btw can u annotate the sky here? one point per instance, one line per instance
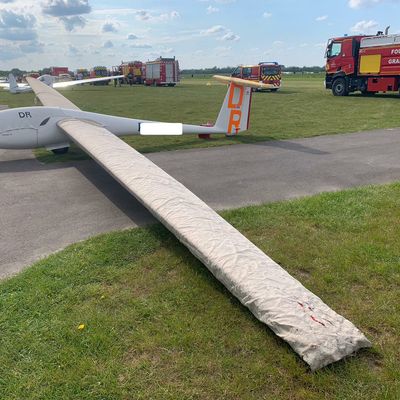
(201, 33)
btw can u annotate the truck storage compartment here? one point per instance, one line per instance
(381, 84)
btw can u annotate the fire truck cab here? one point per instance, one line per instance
(269, 73)
(368, 64)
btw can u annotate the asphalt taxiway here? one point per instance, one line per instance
(44, 208)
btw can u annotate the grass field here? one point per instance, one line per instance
(156, 325)
(302, 108)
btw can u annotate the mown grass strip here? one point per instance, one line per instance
(303, 108)
(157, 325)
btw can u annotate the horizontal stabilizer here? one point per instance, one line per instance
(242, 82)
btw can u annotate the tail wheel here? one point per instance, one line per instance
(63, 150)
(339, 87)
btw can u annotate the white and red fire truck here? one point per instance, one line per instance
(369, 64)
(268, 73)
(161, 72)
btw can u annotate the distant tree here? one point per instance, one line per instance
(228, 70)
(44, 71)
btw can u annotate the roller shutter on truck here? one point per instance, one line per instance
(169, 73)
(152, 71)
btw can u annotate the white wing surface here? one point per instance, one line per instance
(59, 85)
(316, 332)
(48, 96)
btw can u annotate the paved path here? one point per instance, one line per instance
(43, 208)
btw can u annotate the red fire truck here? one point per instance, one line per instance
(99, 72)
(269, 73)
(132, 70)
(162, 72)
(56, 71)
(369, 64)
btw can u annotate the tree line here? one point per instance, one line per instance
(228, 70)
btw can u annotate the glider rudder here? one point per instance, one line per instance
(235, 112)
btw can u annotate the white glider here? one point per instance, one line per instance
(49, 80)
(32, 127)
(318, 334)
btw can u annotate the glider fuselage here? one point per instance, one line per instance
(32, 127)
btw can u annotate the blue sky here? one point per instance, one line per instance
(200, 33)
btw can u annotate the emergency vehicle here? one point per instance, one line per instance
(56, 71)
(82, 73)
(268, 73)
(132, 70)
(99, 72)
(162, 72)
(369, 64)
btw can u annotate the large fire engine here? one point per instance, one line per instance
(56, 71)
(268, 73)
(162, 72)
(133, 70)
(369, 64)
(99, 72)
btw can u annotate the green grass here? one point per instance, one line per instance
(159, 326)
(303, 108)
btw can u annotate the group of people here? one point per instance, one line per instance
(129, 79)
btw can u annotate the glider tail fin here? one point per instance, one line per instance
(46, 79)
(13, 83)
(234, 116)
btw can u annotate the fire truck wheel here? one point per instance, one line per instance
(63, 150)
(339, 87)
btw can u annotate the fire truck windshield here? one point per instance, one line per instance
(334, 49)
(236, 72)
(270, 70)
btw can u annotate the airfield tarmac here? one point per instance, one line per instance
(44, 208)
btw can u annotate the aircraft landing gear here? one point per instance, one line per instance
(63, 150)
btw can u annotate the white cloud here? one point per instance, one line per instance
(71, 23)
(140, 46)
(109, 27)
(363, 3)
(212, 10)
(73, 50)
(321, 18)
(144, 15)
(364, 27)
(108, 44)
(213, 30)
(267, 14)
(62, 8)
(230, 36)
(14, 26)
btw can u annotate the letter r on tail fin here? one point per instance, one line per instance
(235, 112)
